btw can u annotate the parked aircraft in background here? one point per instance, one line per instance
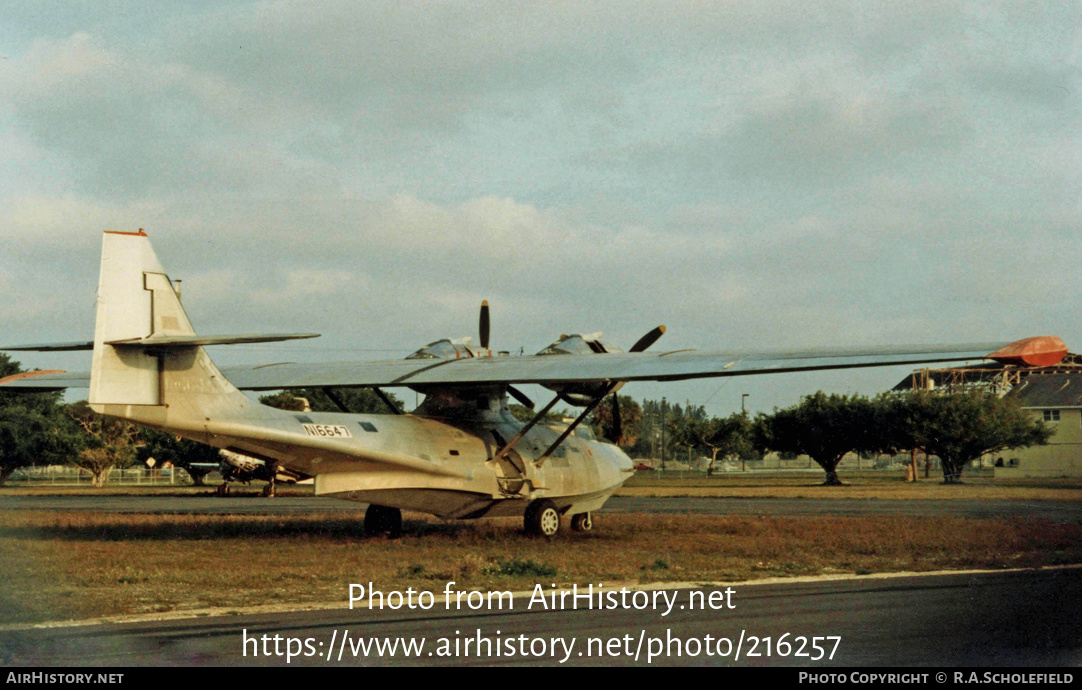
(460, 454)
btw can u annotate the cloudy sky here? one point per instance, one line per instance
(751, 174)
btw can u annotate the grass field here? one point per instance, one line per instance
(59, 566)
(857, 485)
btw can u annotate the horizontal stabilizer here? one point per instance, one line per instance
(167, 341)
(51, 347)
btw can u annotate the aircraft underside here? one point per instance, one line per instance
(461, 505)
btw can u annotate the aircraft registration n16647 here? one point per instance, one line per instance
(460, 454)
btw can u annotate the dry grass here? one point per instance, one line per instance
(80, 565)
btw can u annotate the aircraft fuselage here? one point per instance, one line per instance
(445, 463)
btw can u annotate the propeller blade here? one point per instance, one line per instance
(484, 327)
(520, 396)
(617, 424)
(648, 339)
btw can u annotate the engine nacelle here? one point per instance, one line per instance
(239, 462)
(245, 468)
(579, 394)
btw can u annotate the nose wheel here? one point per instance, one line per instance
(582, 522)
(542, 518)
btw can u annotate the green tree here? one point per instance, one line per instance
(31, 435)
(180, 452)
(525, 414)
(8, 367)
(684, 432)
(602, 421)
(723, 436)
(109, 442)
(824, 427)
(654, 437)
(33, 428)
(962, 427)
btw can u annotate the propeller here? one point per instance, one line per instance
(648, 339)
(521, 397)
(617, 423)
(484, 327)
(642, 343)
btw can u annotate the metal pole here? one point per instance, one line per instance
(662, 449)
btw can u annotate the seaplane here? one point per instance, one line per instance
(460, 454)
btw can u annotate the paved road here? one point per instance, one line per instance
(1058, 511)
(1019, 618)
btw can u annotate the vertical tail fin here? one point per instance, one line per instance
(137, 301)
(125, 376)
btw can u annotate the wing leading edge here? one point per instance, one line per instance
(622, 366)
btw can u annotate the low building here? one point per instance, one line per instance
(1052, 394)
(1055, 398)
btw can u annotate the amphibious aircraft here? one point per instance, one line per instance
(460, 454)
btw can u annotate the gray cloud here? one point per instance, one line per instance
(749, 173)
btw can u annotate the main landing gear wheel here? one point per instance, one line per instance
(542, 518)
(382, 520)
(269, 491)
(582, 522)
(223, 489)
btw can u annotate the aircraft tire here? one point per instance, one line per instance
(542, 518)
(382, 520)
(582, 522)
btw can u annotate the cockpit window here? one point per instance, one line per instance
(585, 432)
(572, 345)
(441, 349)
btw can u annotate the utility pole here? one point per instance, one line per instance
(653, 434)
(663, 420)
(743, 460)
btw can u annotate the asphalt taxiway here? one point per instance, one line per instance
(1024, 618)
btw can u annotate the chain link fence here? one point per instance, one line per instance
(62, 475)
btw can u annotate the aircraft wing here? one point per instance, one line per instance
(619, 366)
(41, 381)
(569, 368)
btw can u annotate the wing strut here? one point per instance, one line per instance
(529, 425)
(387, 401)
(578, 420)
(335, 399)
(329, 392)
